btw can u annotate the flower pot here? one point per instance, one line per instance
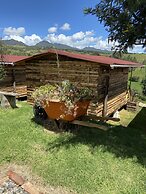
(58, 110)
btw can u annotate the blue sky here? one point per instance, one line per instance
(62, 21)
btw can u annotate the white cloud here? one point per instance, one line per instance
(136, 49)
(14, 31)
(89, 33)
(104, 44)
(52, 29)
(15, 37)
(32, 40)
(78, 36)
(65, 26)
(28, 40)
(80, 40)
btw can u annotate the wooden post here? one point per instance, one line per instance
(130, 91)
(14, 82)
(104, 112)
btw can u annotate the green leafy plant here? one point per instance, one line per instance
(2, 72)
(144, 86)
(134, 79)
(64, 92)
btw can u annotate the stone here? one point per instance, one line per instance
(142, 104)
(15, 177)
(30, 188)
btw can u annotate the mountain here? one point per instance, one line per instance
(46, 44)
(13, 42)
(92, 49)
(64, 46)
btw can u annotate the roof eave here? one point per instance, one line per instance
(126, 65)
(6, 63)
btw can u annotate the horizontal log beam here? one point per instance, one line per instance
(87, 124)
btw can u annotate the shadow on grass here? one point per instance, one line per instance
(140, 120)
(124, 142)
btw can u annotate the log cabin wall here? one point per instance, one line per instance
(45, 69)
(15, 74)
(117, 91)
(20, 79)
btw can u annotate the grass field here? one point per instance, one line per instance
(139, 72)
(137, 86)
(140, 57)
(87, 161)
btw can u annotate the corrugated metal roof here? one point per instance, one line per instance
(97, 59)
(93, 58)
(12, 58)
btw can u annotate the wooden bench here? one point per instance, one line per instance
(8, 99)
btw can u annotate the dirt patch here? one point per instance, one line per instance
(37, 181)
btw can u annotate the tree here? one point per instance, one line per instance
(125, 20)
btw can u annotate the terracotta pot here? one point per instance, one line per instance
(58, 110)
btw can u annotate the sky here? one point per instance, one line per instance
(62, 21)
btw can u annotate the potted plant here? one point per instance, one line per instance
(63, 101)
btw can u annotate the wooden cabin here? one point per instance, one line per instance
(15, 77)
(107, 76)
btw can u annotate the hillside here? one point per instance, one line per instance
(92, 49)
(19, 48)
(140, 57)
(13, 42)
(45, 44)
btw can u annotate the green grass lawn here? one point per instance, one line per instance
(87, 161)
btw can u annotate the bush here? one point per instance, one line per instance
(2, 72)
(134, 79)
(143, 98)
(143, 82)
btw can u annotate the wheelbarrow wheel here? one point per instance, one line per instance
(39, 112)
(64, 126)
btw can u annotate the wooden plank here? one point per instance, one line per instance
(87, 124)
(7, 100)
(94, 117)
(20, 90)
(113, 104)
(8, 93)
